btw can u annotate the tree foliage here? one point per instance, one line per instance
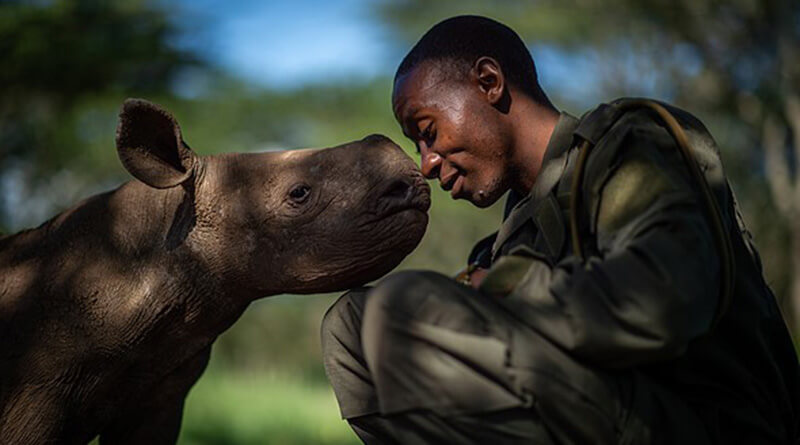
(57, 56)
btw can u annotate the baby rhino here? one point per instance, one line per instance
(108, 311)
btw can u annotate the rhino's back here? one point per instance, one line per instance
(33, 345)
(75, 309)
(84, 266)
(94, 312)
(71, 304)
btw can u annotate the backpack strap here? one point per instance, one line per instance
(595, 124)
(591, 130)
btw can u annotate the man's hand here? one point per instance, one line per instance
(501, 278)
(476, 277)
(505, 274)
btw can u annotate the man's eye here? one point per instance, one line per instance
(429, 134)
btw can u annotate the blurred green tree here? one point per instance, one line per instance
(733, 62)
(59, 54)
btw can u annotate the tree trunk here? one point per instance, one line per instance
(785, 188)
(793, 302)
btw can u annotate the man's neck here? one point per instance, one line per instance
(533, 124)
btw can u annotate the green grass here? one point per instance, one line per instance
(225, 408)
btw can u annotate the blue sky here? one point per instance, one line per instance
(285, 44)
(282, 44)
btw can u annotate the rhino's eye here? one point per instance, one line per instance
(300, 193)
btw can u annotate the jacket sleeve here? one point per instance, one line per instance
(653, 286)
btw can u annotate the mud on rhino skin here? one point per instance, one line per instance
(108, 310)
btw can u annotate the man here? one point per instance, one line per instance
(610, 312)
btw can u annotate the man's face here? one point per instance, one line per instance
(460, 135)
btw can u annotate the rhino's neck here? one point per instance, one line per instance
(108, 241)
(224, 237)
(135, 222)
(110, 270)
(124, 222)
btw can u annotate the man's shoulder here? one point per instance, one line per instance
(635, 158)
(640, 124)
(629, 114)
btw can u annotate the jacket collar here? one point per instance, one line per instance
(560, 141)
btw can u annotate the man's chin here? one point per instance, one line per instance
(482, 199)
(480, 196)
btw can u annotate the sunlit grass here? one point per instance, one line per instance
(271, 409)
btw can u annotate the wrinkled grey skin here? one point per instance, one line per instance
(108, 311)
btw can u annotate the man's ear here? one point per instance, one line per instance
(488, 75)
(150, 145)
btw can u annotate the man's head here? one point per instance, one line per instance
(453, 94)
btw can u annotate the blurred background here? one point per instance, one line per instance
(255, 75)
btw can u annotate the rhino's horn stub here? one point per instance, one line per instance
(150, 145)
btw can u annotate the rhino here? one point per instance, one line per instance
(108, 310)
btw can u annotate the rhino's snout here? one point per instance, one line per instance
(407, 193)
(379, 141)
(375, 139)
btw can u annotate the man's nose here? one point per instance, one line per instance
(430, 163)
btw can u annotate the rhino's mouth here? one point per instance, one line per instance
(402, 196)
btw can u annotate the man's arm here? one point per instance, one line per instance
(653, 287)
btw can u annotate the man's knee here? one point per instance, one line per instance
(427, 346)
(397, 296)
(343, 357)
(398, 300)
(341, 323)
(403, 295)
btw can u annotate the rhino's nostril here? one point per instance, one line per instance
(397, 190)
(403, 194)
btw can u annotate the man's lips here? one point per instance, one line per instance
(448, 181)
(454, 183)
(457, 186)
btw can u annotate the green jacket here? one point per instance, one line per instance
(648, 294)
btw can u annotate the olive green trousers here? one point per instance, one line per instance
(421, 359)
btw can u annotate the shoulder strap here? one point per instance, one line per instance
(596, 124)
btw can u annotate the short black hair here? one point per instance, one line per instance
(462, 40)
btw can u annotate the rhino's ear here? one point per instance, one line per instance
(150, 145)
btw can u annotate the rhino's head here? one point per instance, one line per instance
(294, 221)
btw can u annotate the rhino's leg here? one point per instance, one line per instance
(156, 420)
(34, 415)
